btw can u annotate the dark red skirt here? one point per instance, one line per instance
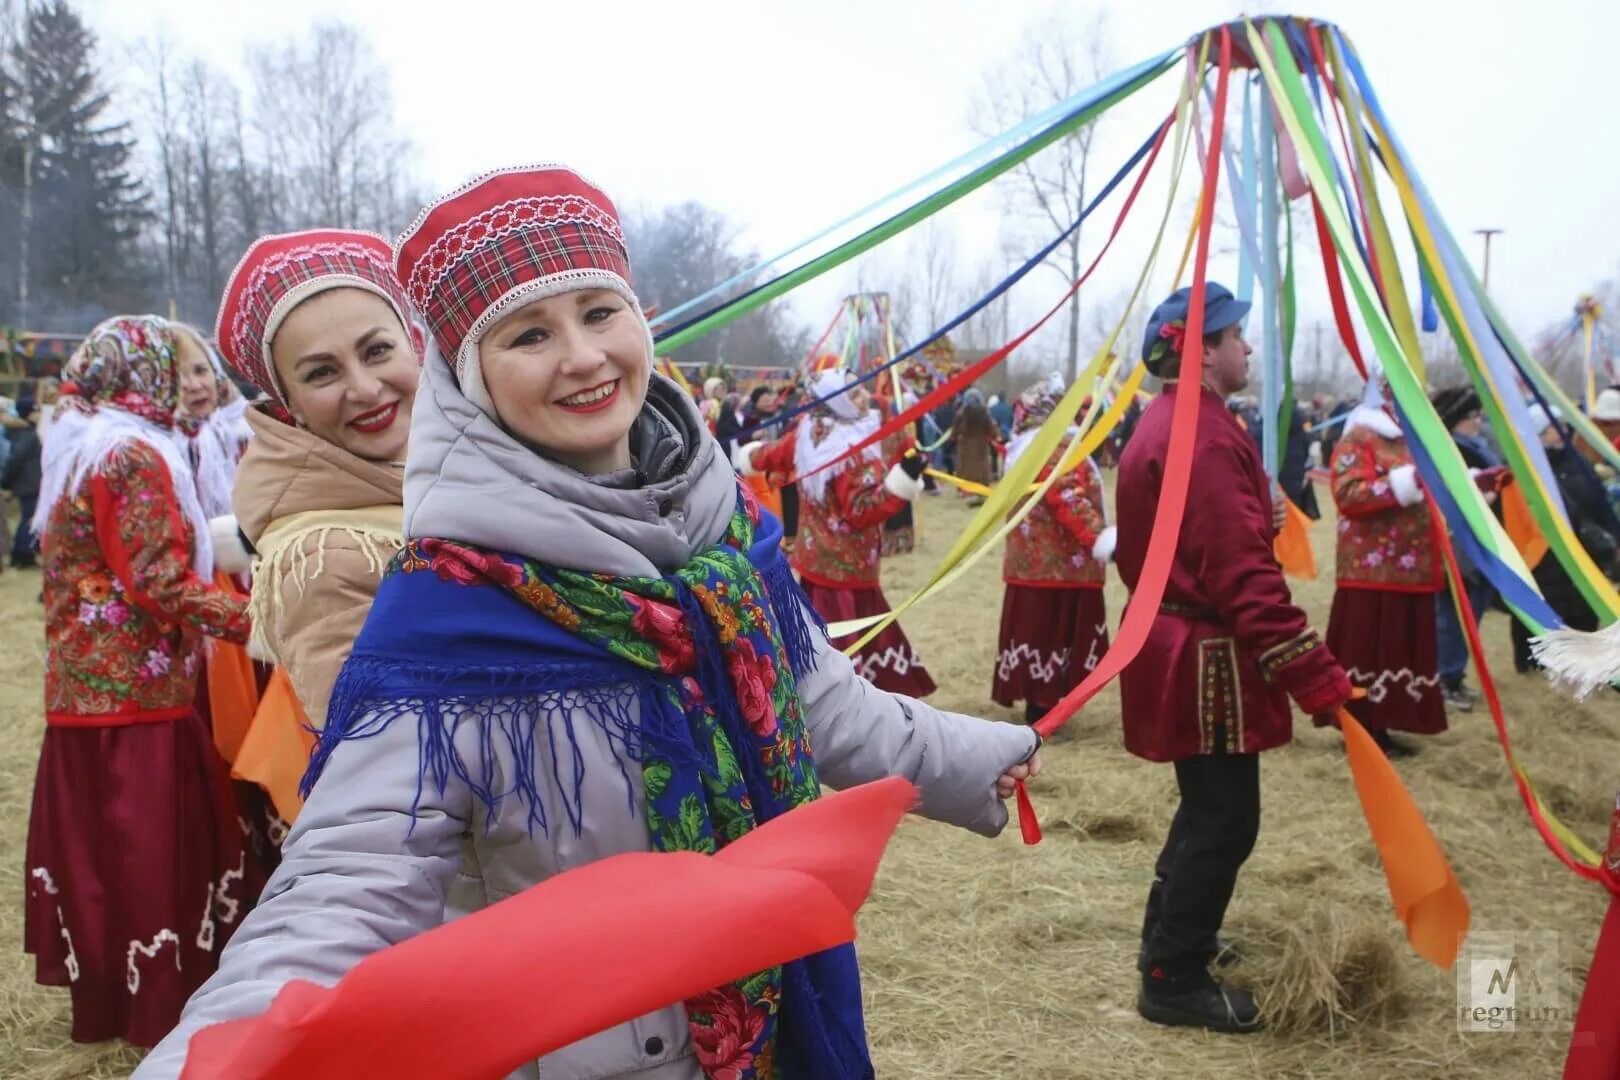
(133, 874)
(1050, 640)
(263, 829)
(1386, 642)
(888, 662)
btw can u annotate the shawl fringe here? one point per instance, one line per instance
(283, 557)
(1580, 662)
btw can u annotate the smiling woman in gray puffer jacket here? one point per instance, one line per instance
(590, 645)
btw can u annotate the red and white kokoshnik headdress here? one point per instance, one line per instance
(279, 272)
(503, 240)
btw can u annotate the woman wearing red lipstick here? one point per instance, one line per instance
(318, 323)
(591, 644)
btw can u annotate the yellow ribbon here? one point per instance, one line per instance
(1571, 553)
(996, 518)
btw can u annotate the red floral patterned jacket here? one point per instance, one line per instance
(125, 614)
(1051, 547)
(840, 540)
(1382, 544)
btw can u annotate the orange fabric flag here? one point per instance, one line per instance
(275, 751)
(1427, 898)
(576, 954)
(769, 497)
(1521, 526)
(233, 692)
(1293, 545)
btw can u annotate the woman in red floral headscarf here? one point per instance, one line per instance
(134, 854)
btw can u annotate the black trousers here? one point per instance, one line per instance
(24, 545)
(790, 511)
(1212, 835)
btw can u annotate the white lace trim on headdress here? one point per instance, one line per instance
(82, 444)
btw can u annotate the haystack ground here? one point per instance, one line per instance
(991, 959)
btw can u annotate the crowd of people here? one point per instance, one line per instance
(541, 605)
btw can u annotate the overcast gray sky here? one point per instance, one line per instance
(788, 115)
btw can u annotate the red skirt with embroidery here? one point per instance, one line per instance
(133, 872)
(1386, 642)
(262, 828)
(1050, 640)
(889, 661)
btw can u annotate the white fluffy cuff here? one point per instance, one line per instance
(902, 486)
(230, 555)
(742, 459)
(1103, 549)
(1404, 480)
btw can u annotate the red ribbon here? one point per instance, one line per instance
(1167, 517)
(1594, 1046)
(967, 376)
(1330, 267)
(576, 954)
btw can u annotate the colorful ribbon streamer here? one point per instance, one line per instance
(574, 955)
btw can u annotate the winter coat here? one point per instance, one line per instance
(324, 524)
(359, 872)
(22, 472)
(1228, 647)
(1386, 528)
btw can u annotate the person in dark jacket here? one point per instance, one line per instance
(1459, 410)
(21, 478)
(1593, 521)
(730, 422)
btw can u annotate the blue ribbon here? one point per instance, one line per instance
(983, 302)
(996, 147)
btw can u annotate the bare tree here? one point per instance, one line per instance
(322, 111)
(1054, 62)
(933, 254)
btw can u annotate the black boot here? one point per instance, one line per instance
(1032, 713)
(1392, 749)
(1221, 954)
(1195, 999)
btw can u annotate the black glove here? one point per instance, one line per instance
(912, 464)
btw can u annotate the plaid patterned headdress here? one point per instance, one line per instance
(279, 272)
(505, 240)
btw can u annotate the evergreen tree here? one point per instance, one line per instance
(88, 205)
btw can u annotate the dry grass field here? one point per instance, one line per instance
(990, 959)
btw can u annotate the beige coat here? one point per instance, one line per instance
(325, 524)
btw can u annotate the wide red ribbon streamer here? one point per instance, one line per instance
(1594, 1047)
(576, 954)
(1144, 605)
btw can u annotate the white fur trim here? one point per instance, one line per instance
(1375, 420)
(902, 486)
(230, 555)
(1103, 549)
(824, 439)
(83, 444)
(1403, 479)
(742, 459)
